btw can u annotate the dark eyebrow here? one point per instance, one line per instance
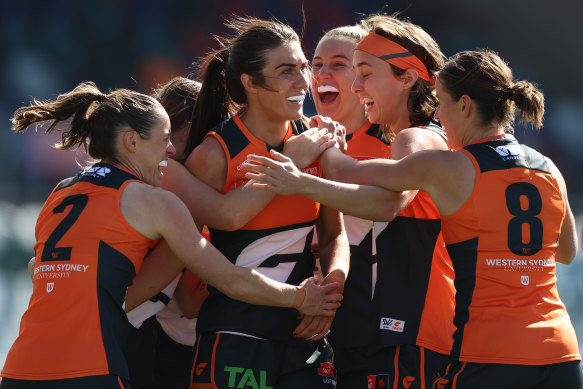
(285, 65)
(290, 65)
(363, 63)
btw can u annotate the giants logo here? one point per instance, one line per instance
(326, 369)
(390, 324)
(200, 368)
(407, 381)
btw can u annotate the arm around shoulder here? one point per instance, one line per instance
(204, 174)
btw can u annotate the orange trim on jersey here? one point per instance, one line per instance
(396, 363)
(489, 138)
(455, 377)
(213, 358)
(121, 385)
(227, 155)
(393, 53)
(194, 363)
(290, 209)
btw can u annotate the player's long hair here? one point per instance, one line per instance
(222, 91)
(97, 118)
(178, 97)
(422, 102)
(488, 80)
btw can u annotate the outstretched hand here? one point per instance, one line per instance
(320, 300)
(278, 175)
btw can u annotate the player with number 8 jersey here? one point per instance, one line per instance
(515, 212)
(505, 218)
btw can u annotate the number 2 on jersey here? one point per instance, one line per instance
(516, 243)
(51, 252)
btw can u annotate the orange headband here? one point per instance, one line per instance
(393, 53)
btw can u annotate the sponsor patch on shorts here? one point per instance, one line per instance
(379, 381)
(390, 324)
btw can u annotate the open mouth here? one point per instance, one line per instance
(327, 94)
(368, 103)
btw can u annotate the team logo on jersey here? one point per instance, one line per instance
(97, 171)
(525, 280)
(392, 324)
(326, 369)
(379, 381)
(200, 368)
(50, 287)
(510, 152)
(407, 381)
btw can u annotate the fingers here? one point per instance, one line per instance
(329, 309)
(315, 120)
(316, 329)
(299, 332)
(330, 290)
(279, 156)
(258, 159)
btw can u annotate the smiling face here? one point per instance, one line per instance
(382, 93)
(152, 153)
(282, 95)
(332, 77)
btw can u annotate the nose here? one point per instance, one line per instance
(170, 150)
(356, 86)
(323, 72)
(303, 81)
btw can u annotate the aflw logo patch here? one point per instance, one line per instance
(510, 152)
(392, 324)
(97, 171)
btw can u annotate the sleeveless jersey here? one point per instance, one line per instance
(414, 295)
(354, 314)
(502, 242)
(276, 243)
(86, 257)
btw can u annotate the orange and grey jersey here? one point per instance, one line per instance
(414, 295)
(276, 243)
(86, 257)
(354, 315)
(502, 242)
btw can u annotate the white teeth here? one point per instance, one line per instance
(367, 101)
(326, 88)
(163, 163)
(296, 99)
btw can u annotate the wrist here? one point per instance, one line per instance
(299, 297)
